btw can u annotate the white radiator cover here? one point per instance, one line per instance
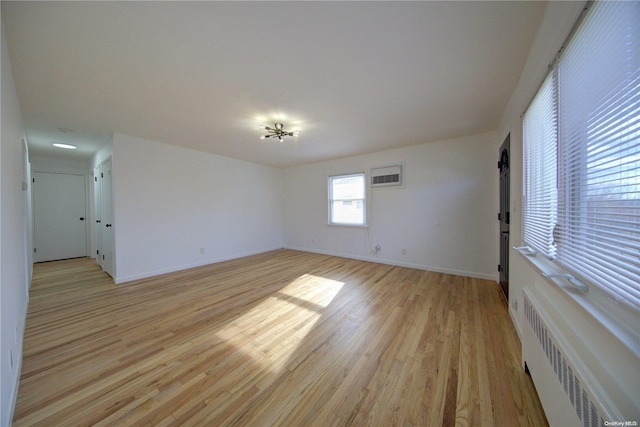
(567, 389)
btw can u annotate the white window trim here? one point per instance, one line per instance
(330, 199)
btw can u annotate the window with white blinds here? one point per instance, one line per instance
(589, 224)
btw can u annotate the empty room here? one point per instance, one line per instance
(320, 213)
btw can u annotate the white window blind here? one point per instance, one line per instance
(590, 226)
(599, 108)
(539, 202)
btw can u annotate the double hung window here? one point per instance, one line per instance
(347, 199)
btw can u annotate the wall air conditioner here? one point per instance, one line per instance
(387, 176)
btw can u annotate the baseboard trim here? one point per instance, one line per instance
(397, 263)
(120, 280)
(124, 279)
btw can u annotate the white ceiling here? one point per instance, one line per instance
(353, 77)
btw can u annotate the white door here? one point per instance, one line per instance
(107, 218)
(97, 204)
(59, 216)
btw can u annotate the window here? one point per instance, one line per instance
(581, 181)
(347, 199)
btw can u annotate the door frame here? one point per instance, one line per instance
(97, 213)
(108, 265)
(34, 173)
(504, 216)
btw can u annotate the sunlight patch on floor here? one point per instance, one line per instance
(272, 330)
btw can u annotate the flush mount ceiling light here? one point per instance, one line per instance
(277, 131)
(65, 146)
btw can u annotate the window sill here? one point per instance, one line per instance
(620, 320)
(348, 225)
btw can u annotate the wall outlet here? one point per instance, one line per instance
(201, 250)
(514, 304)
(378, 248)
(313, 241)
(404, 251)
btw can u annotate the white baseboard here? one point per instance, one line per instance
(398, 263)
(123, 279)
(14, 391)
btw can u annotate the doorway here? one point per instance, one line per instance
(503, 216)
(59, 211)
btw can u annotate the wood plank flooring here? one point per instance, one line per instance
(283, 338)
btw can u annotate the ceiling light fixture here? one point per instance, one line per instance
(277, 131)
(66, 146)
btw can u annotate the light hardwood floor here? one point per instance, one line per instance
(282, 338)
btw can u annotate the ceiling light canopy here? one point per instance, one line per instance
(65, 146)
(277, 131)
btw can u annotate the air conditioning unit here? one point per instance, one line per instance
(387, 176)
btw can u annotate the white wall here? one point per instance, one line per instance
(56, 165)
(445, 217)
(169, 202)
(14, 265)
(102, 154)
(614, 364)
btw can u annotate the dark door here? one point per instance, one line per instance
(503, 216)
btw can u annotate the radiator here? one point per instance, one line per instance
(567, 391)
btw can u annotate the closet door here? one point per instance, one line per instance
(97, 204)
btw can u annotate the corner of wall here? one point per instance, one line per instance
(14, 264)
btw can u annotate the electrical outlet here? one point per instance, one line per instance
(201, 250)
(404, 251)
(514, 304)
(313, 241)
(378, 248)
